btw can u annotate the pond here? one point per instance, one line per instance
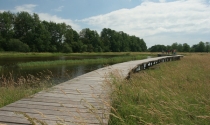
(59, 73)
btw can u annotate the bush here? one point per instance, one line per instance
(17, 45)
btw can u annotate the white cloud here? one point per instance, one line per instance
(26, 7)
(162, 1)
(2, 11)
(54, 18)
(153, 18)
(45, 16)
(60, 8)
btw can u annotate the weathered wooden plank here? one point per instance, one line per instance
(57, 100)
(42, 107)
(69, 117)
(52, 113)
(13, 120)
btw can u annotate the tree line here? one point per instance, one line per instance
(25, 32)
(200, 47)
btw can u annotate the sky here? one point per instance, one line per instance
(156, 21)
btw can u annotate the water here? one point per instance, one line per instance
(59, 73)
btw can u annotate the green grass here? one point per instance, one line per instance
(12, 90)
(176, 93)
(47, 54)
(84, 61)
(11, 94)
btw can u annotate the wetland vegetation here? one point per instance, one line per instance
(176, 93)
(29, 78)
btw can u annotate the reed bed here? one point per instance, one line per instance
(84, 61)
(13, 89)
(177, 92)
(47, 54)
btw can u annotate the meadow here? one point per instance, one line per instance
(176, 92)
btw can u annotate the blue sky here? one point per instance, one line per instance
(156, 21)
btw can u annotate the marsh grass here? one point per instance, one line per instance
(85, 61)
(176, 93)
(47, 54)
(13, 89)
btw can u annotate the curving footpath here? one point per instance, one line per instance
(83, 100)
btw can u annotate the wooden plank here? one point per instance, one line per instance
(51, 113)
(41, 107)
(13, 120)
(70, 117)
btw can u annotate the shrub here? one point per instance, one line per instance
(17, 45)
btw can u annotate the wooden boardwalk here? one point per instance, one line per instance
(82, 100)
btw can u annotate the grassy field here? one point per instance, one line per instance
(177, 92)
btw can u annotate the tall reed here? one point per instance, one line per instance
(13, 89)
(176, 93)
(84, 61)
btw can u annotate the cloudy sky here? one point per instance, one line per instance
(156, 21)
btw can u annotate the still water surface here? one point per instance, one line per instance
(60, 73)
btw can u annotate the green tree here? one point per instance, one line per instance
(193, 48)
(67, 48)
(105, 38)
(6, 25)
(186, 47)
(180, 48)
(23, 26)
(158, 48)
(2, 43)
(207, 47)
(175, 46)
(91, 39)
(17, 45)
(200, 47)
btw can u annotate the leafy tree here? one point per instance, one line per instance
(180, 48)
(143, 45)
(6, 25)
(168, 47)
(200, 47)
(2, 44)
(158, 48)
(67, 48)
(17, 45)
(193, 48)
(207, 47)
(105, 38)
(23, 26)
(186, 47)
(91, 39)
(175, 46)
(43, 36)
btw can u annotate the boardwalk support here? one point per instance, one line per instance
(146, 65)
